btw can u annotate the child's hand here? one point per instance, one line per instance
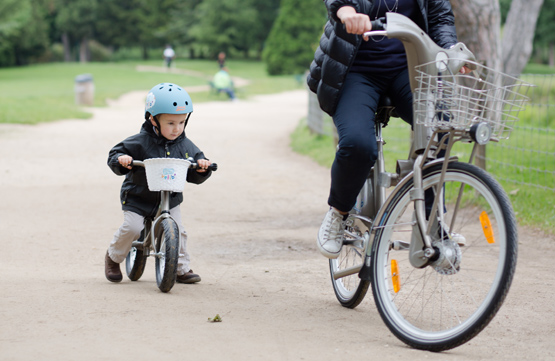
(203, 164)
(125, 161)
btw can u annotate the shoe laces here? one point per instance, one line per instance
(335, 227)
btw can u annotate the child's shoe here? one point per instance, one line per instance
(111, 269)
(188, 277)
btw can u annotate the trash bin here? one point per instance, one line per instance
(84, 89)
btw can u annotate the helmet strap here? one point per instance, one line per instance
(157, 126)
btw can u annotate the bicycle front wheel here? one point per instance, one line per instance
(448, 302)
(167, 253)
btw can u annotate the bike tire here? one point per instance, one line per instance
(350, 290)
(167, 253)
(443, 306)
(135, 262)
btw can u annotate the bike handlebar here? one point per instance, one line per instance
(419, 47)
(213, 167)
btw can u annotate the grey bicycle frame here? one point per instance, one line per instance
(420, 49)
(162, 213)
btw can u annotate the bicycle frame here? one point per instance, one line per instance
(420, 49)
(152, 227)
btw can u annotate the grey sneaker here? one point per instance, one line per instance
(331, 234)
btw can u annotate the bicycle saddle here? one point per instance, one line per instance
(385, 110)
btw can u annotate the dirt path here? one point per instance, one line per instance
(251, 228)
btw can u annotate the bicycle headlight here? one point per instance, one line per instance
(480, 132)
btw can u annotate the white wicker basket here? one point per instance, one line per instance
(166, 174)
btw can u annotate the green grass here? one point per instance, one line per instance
(538, 69)
(316, 146)
(43, 93)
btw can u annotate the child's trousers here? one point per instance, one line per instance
(130, 231)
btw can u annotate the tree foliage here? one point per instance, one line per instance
(285, 33)
(294, 36)
(23, 31)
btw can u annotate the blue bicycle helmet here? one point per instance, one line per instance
(167, 98)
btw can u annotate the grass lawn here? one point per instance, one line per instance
(45, 92)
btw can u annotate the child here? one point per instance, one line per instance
(167, 111)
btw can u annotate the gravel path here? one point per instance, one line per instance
(252, 230)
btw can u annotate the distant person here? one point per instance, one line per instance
(169, 55)
(221, 60)
(162, 135)
(223, 83)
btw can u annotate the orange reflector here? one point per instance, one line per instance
(486, 227)
(395, 276)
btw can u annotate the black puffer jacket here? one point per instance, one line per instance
(337, 49)
(134, 194)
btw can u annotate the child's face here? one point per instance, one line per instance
(171, 125)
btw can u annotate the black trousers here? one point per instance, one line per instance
(354, 119)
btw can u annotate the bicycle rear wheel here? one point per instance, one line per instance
(135, 261)
(167, 253)
(448, 302)
(350, 290)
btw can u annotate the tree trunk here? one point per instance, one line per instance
(552, 55)
(67, 47)
(84, 50)
(478, 25)
(145, 52)
(518, 34)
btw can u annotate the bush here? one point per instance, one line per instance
(99, 52)
(290, 46)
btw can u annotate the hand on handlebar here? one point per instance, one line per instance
(126, 161)
(202, 165)
(354, 22)
(465, 70)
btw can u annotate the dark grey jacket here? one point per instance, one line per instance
(337, 49)
(134, 194)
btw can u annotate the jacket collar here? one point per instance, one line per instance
(149, 129)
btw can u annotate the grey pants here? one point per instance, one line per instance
(130, 231)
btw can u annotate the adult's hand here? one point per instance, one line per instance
(354, 22)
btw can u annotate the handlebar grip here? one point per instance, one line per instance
(378, 24)
(213, 167)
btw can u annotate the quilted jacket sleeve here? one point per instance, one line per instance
(441, 23)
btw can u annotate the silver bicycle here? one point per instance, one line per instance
(160, 235)
(439, 250)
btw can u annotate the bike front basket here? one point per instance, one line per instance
(457, 101)
(166, 174)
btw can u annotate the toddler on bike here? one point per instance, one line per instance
(167, 111)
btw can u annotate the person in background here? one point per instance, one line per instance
(221, 60)
(169, 55)
(222, 82)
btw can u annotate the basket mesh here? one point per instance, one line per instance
(166, 174)
(456, 101)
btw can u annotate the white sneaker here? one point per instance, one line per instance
(459, 238)
(456, 237)
(331, 234)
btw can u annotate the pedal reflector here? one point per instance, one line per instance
(395, 276)
(486, 227)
